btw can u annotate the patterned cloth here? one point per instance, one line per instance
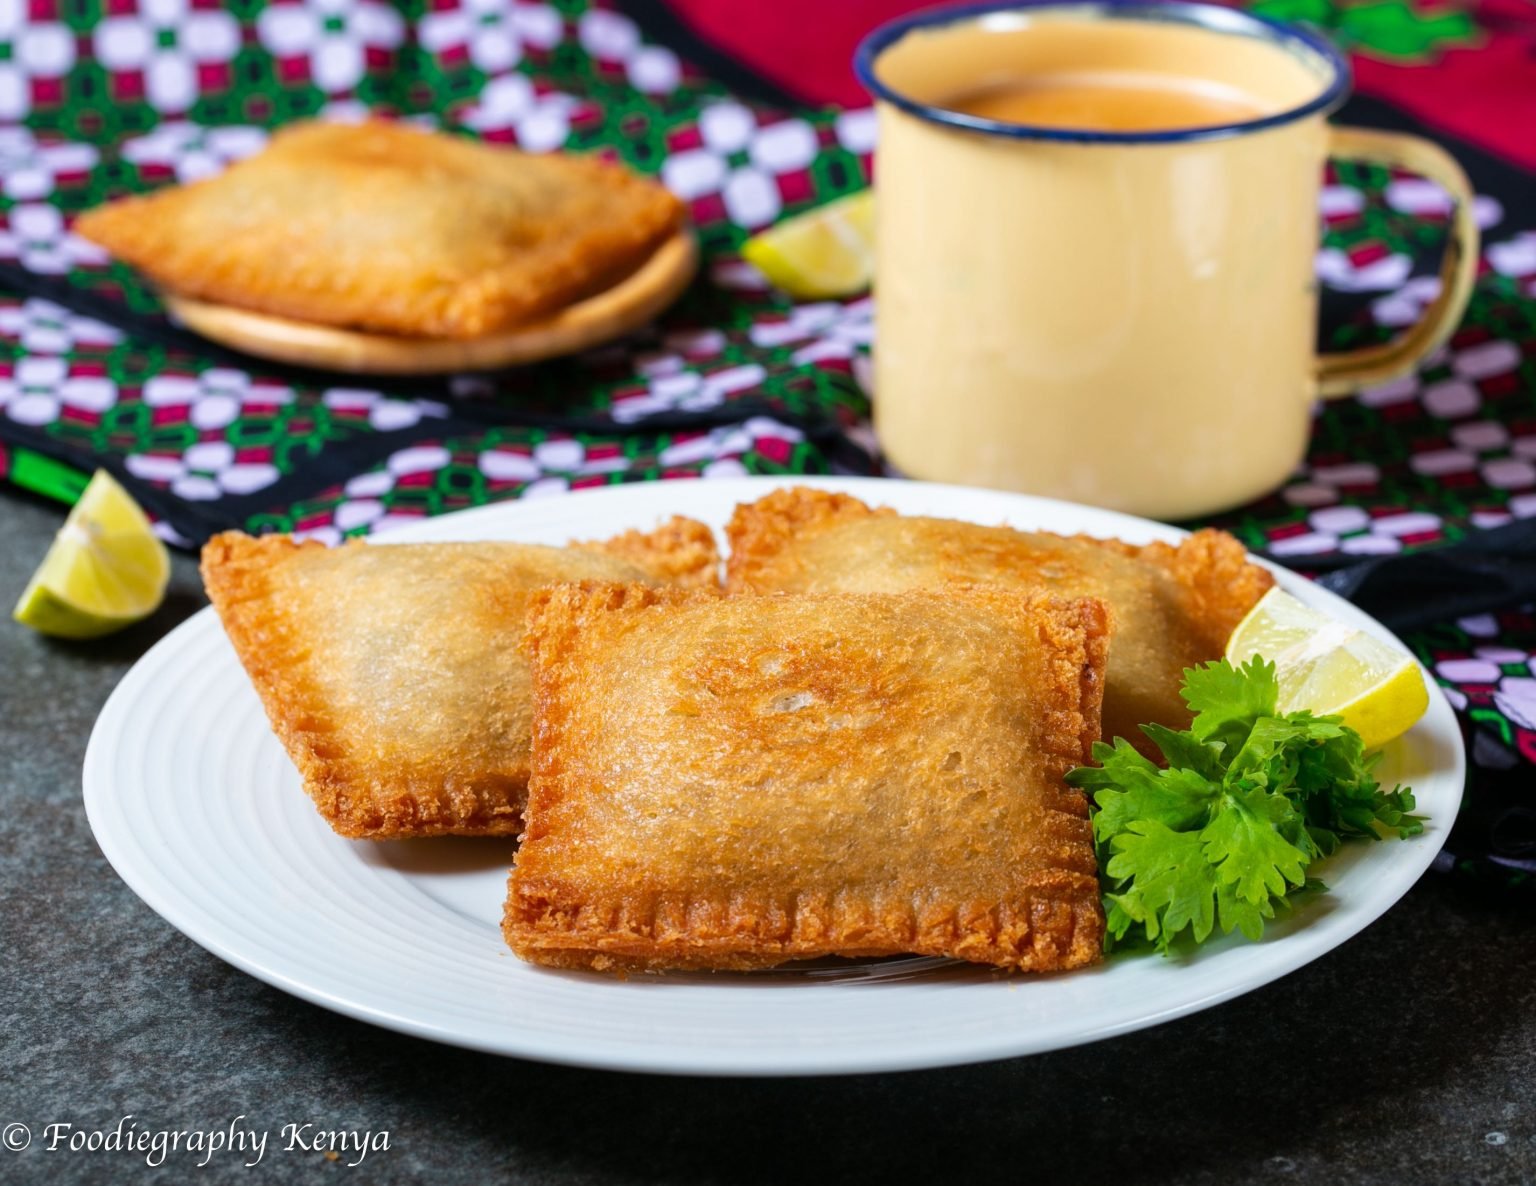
(113, 96)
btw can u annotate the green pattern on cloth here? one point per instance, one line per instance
(1396, 30)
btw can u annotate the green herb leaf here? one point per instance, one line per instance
(1225, 833)
(1227, 700)
(1186, 751)
(1169, 884)
(1128, 787)
(1246, 844)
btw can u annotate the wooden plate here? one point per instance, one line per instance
(600, 318)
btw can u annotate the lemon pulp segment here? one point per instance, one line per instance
(1330, 668)
(104, 570)
(825, 252)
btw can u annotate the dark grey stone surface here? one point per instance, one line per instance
(1407, 1056)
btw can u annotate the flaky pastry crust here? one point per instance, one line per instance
(392, 229)
(1173, 606)
(393, 674)
(680, 552)
(730, 783)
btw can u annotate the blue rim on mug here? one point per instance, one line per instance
(1300, 43)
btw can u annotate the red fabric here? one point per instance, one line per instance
(1484, 95)
(769, 37)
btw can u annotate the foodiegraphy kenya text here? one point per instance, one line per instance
(237, 1139)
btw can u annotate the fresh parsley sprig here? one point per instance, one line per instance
(1225, 833)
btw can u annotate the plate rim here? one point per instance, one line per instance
(590, 321)
(660, 1057)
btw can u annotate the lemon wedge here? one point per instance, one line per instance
(1330, 668)
(104, 570)
(825, 252)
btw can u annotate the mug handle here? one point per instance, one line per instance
(1346, 371)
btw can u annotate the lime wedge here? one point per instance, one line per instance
(826, 252)
(104, 570)
(1330, 668)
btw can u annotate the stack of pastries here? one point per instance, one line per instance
(855, 746)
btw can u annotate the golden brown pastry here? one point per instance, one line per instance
(1172, 606)
(393, 673)
(389, 228)
(730, 783)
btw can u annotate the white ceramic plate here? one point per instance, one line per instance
(197, 807)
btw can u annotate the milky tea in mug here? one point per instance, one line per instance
(1096, 226)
